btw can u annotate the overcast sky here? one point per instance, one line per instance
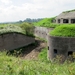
(15, 10)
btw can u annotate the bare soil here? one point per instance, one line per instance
(32, 51)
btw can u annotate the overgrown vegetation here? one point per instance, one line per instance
(47, 22)
(43, 54)
(28, 28)
(10, 28)
(64, 30)
(10, 65)
(24, 28)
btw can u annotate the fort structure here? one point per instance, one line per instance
(42, 32)
(66, 17)
(61, 43)
(14, 40)
(64, 46)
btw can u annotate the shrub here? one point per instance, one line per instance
(28, 28)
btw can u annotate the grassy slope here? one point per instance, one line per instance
(64, 30)
(10, 65)
(6, 28)
(47, 22)
(20, 28)
(10, 28)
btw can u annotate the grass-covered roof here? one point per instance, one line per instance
(23, 28)
(64, 31)
(46, 22)
(10, 28)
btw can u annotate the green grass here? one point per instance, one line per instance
(10, 65)
(10, 28)
(47, 22)
(24, 28)
(64, 30)
(43, 54)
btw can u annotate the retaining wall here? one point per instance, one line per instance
(12, 41)
(42, 32)
(60, 46)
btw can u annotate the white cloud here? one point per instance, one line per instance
(34, 9)
(6, 2)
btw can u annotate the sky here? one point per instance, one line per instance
(15, 10)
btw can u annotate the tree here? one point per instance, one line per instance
(28, 28)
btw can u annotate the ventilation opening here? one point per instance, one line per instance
(55, 51)
(65, 21)
(48, 47)
(72, 20)
(58, 20)
(70, 53)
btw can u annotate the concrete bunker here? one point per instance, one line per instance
(61, 43)
(14, 40)
(66, 17)
(60, 46)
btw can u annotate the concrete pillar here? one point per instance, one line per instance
(61, 21)
(69, 20)
(56, 20)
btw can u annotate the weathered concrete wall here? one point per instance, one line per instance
(60, 46)
(11, 41)
(42, 32)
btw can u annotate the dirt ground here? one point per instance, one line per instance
(32, 51)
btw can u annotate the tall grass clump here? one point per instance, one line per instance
(10, 65)
(64, 30)
(43, 54)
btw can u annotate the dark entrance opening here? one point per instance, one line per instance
(70, 53)
(55, 51)
(48, 47)
(65, 21)
(72, 20)
(58, 20)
